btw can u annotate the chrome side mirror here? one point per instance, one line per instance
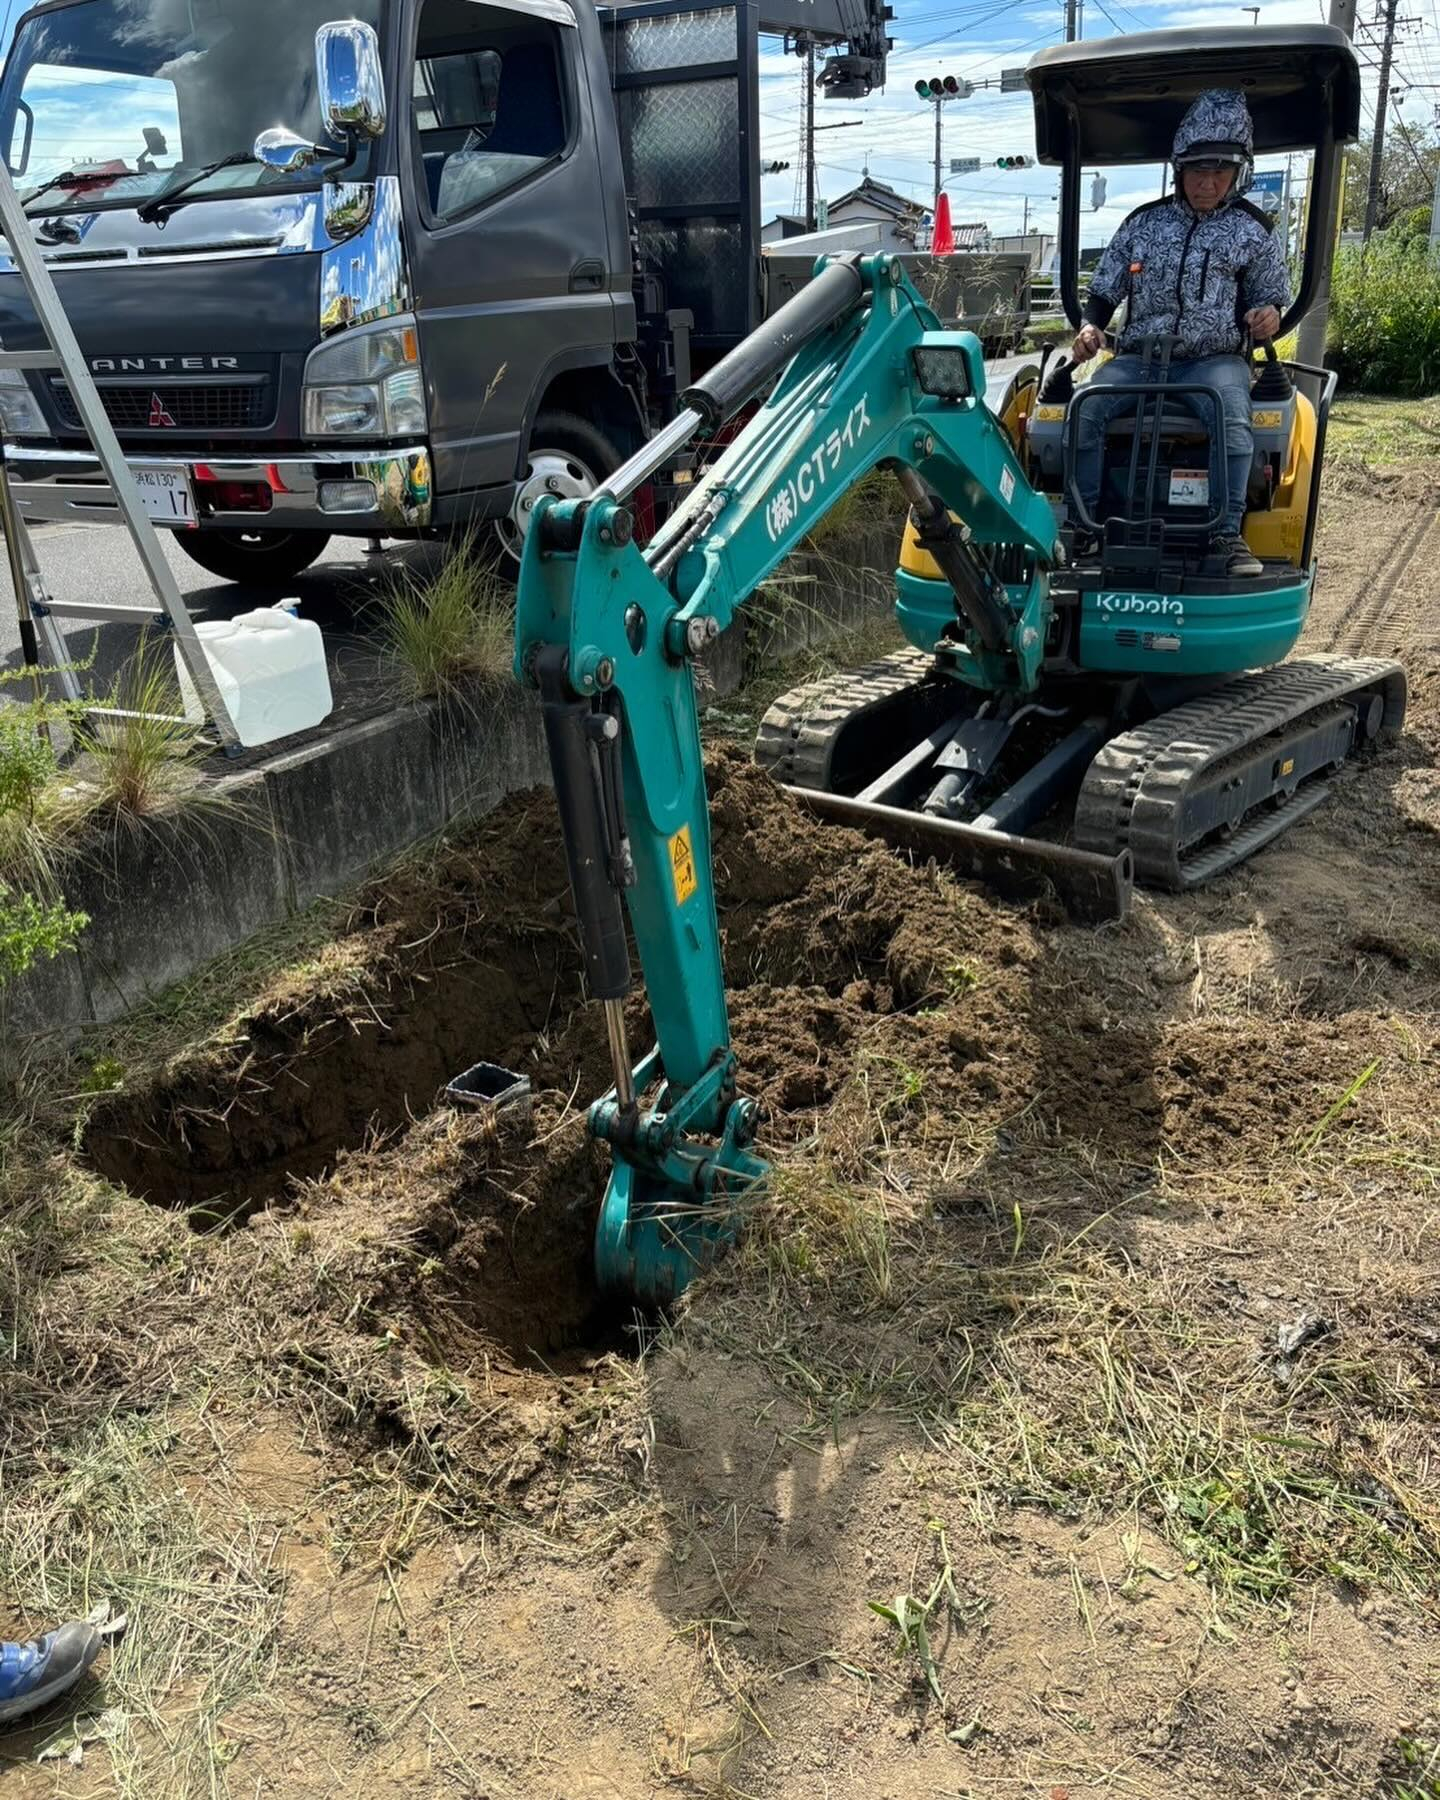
(352, 84)
(283, 149)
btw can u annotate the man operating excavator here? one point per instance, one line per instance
(1202, 267)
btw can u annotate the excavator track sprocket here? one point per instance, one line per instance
(1200, 787)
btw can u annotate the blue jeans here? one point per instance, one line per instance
(1229, 376)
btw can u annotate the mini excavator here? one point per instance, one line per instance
(1085, 700)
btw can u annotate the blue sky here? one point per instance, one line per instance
(975, 39)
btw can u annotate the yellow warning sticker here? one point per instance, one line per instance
(1288, 766)
(682, 865)
(1266, 421)
(1049, 413)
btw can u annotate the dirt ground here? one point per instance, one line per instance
(1094, 1319)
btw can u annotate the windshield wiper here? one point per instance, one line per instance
(70, 179)
(158, 207)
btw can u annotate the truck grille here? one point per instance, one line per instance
(194, 406)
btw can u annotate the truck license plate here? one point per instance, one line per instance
(167, 497)
(1190, 487)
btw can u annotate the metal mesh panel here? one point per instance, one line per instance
(705, 269)
(679, 42)
(681, 144)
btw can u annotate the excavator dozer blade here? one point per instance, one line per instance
(1093, 887)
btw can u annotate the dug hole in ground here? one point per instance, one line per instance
(1091, 1333)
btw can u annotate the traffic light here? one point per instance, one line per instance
(944, 87)
(1097, 193)
(773, 168)
(1014, 162)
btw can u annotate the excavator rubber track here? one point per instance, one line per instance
(797, 737)
(1249, 754)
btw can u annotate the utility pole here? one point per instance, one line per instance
(1377, 148)
(1025, 225)
(809, 134)
(1285, 208)
(1435, 206)
(935, 189)
(1316, 323)
(1072, 23)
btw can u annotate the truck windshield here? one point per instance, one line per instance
(145, 91)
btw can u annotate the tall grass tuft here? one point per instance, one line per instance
(143, 764)
(138, 769)
(451, 631)
(1385, 318)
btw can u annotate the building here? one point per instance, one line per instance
(1039, 246)
(873, 203)
(782, 226)
(974, 238)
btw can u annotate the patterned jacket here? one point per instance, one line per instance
(1193, 274)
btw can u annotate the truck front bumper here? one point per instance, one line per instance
(357, 491)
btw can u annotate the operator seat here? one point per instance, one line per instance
(1184, 444)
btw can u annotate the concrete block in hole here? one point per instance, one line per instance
(166, 899)
(350, 801)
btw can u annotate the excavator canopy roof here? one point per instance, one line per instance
(1119, 100)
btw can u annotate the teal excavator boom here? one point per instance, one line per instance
(609, 632)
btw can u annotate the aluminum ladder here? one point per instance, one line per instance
(38, 610)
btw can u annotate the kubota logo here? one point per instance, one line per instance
(1150, 606)
(160, 418)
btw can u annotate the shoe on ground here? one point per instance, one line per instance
(34, 1674)
(1240, 560)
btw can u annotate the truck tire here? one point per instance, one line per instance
(566, 455)
(254, 558)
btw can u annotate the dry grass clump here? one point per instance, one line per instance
(97, 1294)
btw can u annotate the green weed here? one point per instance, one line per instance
(912, 1618)
(1385, 318)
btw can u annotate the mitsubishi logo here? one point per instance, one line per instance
(160, 418)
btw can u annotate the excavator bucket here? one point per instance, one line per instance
(651, 1243)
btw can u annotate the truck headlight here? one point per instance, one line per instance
(20, 414)
(367, 383)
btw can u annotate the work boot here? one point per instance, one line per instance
(34, 1674)
(1240, 560)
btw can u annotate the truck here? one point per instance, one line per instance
(395, 272)
(984, 291)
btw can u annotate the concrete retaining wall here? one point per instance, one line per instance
(314, 821)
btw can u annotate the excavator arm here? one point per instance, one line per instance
(609, 634)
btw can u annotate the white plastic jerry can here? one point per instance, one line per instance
(270, 669)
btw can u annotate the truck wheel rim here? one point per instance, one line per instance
(546, 472)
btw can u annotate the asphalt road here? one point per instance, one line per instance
(99, 563)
